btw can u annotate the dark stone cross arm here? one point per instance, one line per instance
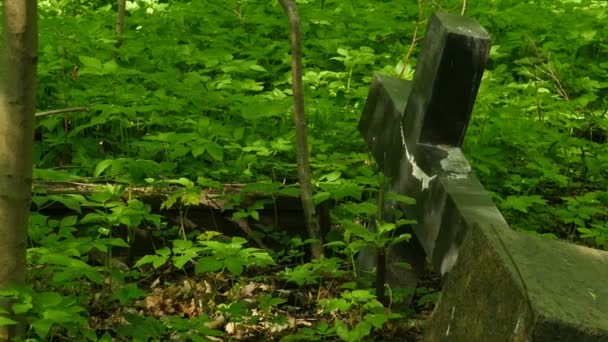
(414, 131)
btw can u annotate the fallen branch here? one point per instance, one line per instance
(61, 111)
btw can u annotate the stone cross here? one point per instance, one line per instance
(416, 142)
(499, 285)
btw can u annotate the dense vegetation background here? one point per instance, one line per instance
(198, 95)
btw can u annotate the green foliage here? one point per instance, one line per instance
(231, 256)
(45, 310)
(539, 129)
(198, 95)
(313, 272)
(142, 328)
(363, 303)
(213, 256)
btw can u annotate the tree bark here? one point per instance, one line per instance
(312, 221)
(17, 108)
(120, 22)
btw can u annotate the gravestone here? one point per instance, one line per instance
(498, 285)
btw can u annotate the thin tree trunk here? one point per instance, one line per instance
(312, 222)
(17, 108)
(120, 22)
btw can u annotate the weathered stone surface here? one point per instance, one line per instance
(438, 109)
(508, 286)
(447, 77)
(380, 123)
(500, 286)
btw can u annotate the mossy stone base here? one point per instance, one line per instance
(509, 286)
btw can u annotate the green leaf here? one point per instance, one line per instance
(42, 327)
(358, 230)
(336, 244)
(128, 292)
(321, 197)
(180, 260)
(188, 184)
(257, 68)
(110, 66)
(241, 214)
(391, 196)
(365, 208)
(21, 308)
(339, 304)
(238, 133)
(263, 187)
(102, 166)
(198, 150)
(208, 264)
(91, 63)
(359, 294)
(54, 175)
(332, 177)
(215, 151)
(117, 242)
(400, 238)
(49, 298)
(93, 218)
(71, 202)
(181, 244)
(148, 259)
(523, 203)
(385, 227)
(404, 222)
(68, 221)
(376, 320)
(6, 321)
(234, 265)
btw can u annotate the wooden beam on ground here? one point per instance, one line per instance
(209, 198)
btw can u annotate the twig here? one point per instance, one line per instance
(519, 274)
(60, 111)
(244, 225)
(539, 111)
(464, 7)
(223, 7)
(312, 222)
(548, 70)
(415, 38)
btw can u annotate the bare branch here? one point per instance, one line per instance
(312, 221)
(421, 7)
(61, 111)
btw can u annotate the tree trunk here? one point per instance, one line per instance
(120, 22)
(312, 221)
(17, 108)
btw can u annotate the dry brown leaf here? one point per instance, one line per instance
(216, 323)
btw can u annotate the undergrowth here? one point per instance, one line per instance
(198, 96)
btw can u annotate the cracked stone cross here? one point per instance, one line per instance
(499, 285)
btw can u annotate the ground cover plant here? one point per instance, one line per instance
(198, 98)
